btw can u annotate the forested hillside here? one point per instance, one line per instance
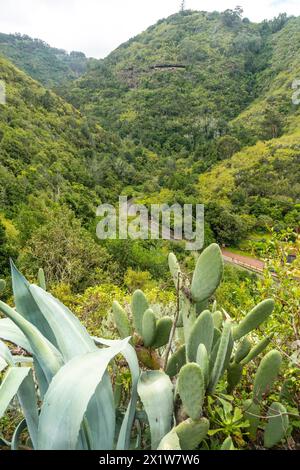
(196, 88)
(55, 168)
(49, 65)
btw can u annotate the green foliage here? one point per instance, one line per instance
(48, 65)
(227, 444)
(2, 285)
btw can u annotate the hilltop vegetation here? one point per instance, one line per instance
(48, 65)
(196, 88)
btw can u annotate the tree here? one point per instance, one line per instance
(232, 18)
(227, 146)
(66, 251)
(272, 123)
(5, 252)
(182, 6)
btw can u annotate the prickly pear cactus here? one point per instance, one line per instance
(254, 318)
(202, 350)
(149, 327)
(191, 388)
(139, 305)
(121, 320)
(208, 273)
(163, 329)
(42, 279)
(176, 361)
(277, 425)
(202, 332)
(266, 374)
(191, 433)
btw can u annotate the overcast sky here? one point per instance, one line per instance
(96, 27)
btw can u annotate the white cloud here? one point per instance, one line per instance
(98, 26)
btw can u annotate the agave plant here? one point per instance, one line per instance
(61, 380)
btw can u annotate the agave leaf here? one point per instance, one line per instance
(26, 395)
(26, 305)
(15, 442)
(10, 332)
(130, 356)
(63, 410)
(71, 336)
(10, 385)
(6, 355)
(73, 340)
(3, 364)
(4, 442)
(41, 378)
(28, 401)
(46, 354)
(156, 392)
(23, 360)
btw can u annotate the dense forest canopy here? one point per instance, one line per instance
(198, 108)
